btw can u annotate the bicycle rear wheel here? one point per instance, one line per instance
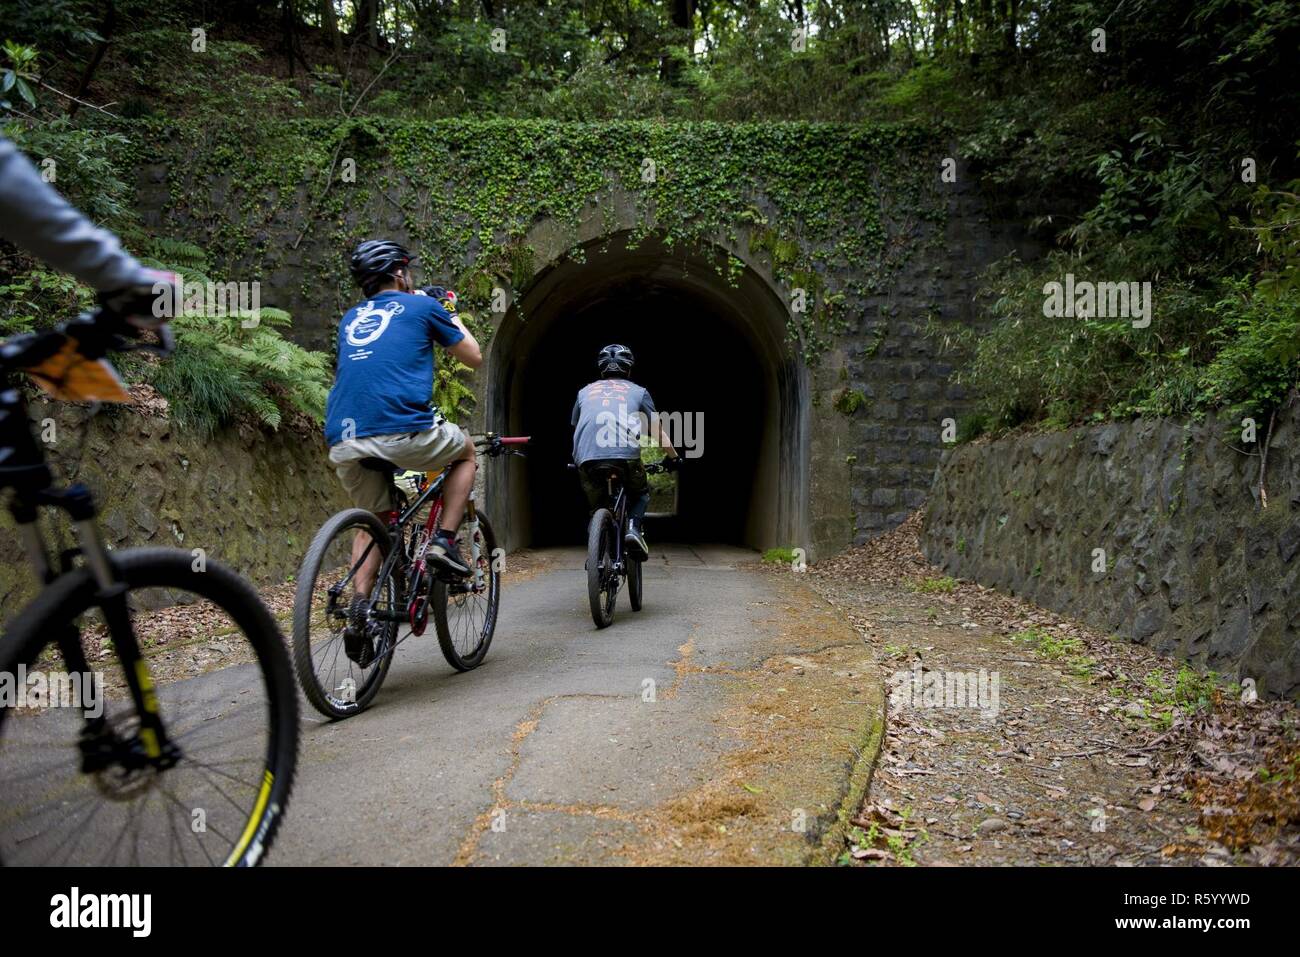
(337, 685)
(220, 676)
(602, 576)
(465, 610)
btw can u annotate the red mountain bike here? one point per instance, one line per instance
(408, 590)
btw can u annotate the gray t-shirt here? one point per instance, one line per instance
(609, 418)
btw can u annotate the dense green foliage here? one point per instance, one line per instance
(233, 365)
(1164, 151)
(1167, 161)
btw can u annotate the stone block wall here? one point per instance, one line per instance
(1194, 566)
(248, 497)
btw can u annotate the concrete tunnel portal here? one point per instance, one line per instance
(705, 346)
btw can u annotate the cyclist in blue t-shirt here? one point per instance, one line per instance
(380, 406)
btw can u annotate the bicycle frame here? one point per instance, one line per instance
(399, 518)
(619, 511)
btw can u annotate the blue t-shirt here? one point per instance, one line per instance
(384, 380)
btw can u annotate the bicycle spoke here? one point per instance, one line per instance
(185, 812)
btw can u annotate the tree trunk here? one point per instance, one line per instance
(287, 18)
(88, 74)
(940, 32)
(367, 21)
(329, 22)
(683, 17)
(1009, 27)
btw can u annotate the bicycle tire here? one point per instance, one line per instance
(73, 594)
(320, 698)
(441, 595)
(600, 593)
(634, 584)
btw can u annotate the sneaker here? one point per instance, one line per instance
(358, 644)
(443, 550)
(635, 542)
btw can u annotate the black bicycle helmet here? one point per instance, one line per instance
(615, 360)
(377, 259)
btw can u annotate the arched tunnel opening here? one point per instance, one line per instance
(711, 352)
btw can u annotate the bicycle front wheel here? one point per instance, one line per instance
(602, 575)
(634, 583)
(465, 610)
(215, 667)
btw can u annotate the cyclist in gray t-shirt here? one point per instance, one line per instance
(608, 417)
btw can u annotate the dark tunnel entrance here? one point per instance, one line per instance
(708, 351)
(714, 385)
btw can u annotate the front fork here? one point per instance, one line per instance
(475, 548)
(97, 742)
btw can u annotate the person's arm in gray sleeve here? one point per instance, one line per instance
(656, 433)
(36, 218)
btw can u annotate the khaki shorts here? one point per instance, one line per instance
(419, 451)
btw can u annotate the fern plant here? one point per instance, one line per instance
(450, 393)
(235, 364)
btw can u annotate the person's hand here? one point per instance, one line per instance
(672, 463)
(446, 298)
(148, 303)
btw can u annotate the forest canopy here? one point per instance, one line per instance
(1151, 140)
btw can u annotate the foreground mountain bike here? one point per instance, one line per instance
(130, 769)
(408, 590)
(608, 561)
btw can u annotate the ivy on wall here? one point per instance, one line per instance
(835, 208)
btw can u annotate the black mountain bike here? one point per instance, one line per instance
(607, 559)
(121, 766)
(340, 681)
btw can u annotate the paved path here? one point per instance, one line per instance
(729, 721)
(549, 751)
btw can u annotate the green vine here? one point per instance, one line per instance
(834, 209)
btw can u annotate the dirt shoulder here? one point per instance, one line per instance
(805, 722)
(1098, 752)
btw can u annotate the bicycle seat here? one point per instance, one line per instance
(607, 473)
(376, 464)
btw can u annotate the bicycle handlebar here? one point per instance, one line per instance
(654, 468)
(96, 334)
(493, 444)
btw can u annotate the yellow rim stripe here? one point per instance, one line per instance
(258, 809)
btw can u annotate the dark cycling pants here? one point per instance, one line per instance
(634, 480)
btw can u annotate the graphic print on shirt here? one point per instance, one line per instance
(370, 322)
(607, 389)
